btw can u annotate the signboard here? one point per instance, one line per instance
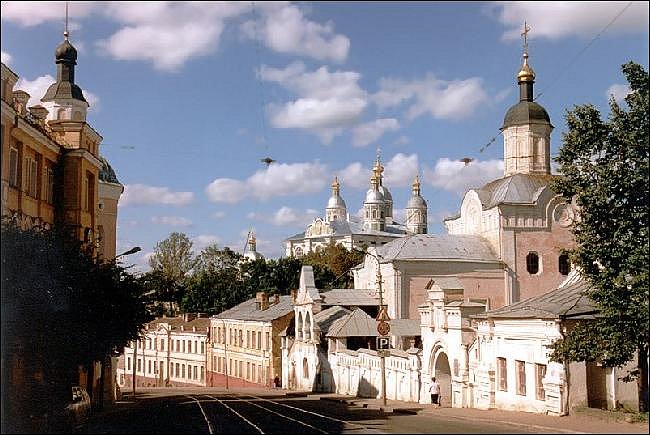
(383, 343)
(383, 328)
(382, 316)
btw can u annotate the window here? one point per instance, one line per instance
(563, 264)
(254, 372)
(183, 346)
(161, 369)
(196, 347)
(162, 344)
(202, 373)
(248, 370)
(259, 339)
(502, 374)
(253, 344)
(89, 198)
(128, 363)
(139, 365)
(149, 366)
(195, 371)
(540, 372)
(248, 339)
(241, 338)
(521, 377)
(13, 167)
(178, 345)
(189, 346)
(183, 371)
(31, 174)
(155, 369)
(178, 371)
(49, 184)
(268, 341)
(202, 347)
(241, 369)
(532, 263)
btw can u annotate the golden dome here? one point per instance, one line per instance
(526, 74)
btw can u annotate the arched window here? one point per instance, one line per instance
(532, 263)
(299, 325)
(563, 264)
(305, 368)
(374, 214)
(307, 326)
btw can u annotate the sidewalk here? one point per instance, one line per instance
(592, 421)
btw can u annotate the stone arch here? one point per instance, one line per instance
(441, 370)
(308, 326)
(299, 326)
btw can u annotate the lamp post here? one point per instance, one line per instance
(129, 252)
(381, 304)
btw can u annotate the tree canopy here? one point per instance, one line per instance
(604, 166)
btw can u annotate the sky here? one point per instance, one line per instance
(188, 98)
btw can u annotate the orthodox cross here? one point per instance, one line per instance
(525, 35)
(65, 32)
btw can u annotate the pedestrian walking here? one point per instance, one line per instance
(435, 392)
(276, 382)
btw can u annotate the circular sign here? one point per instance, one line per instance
(383, 328)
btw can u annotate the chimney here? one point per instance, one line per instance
(261, 301)
(294, 294)
(188, 317)
(39, 113)
(276, 298)
(20, 99)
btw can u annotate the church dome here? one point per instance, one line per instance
(66, 52)
(526, 112)
(374, 197)
(336, 202)
(106, 172)
(416, 202)
(386, 193)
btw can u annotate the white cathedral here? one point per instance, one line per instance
(375, 228)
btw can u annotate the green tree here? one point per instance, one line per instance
(61, 308)
(173, 260)
(605, 172)
(332, 265)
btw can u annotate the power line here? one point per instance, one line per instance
(582, 51)
(566, 68)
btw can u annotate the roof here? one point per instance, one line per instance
(438, 247)
(513, 189)
(526, 112)
(106, 172)
(348, 297)
(565, 301)
(200, 323)
(325, 318)
(359, 324)
(354, 226)
(248, 310)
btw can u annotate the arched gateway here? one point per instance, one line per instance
(440, 369)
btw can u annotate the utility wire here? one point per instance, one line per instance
(582, 51)
(565, 69)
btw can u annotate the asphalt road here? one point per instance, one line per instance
(201, 411)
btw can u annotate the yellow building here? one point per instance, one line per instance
(51, 168)
(245, 342)
(53, 175)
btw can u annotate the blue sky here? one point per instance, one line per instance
(190, 96)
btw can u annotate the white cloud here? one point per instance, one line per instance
(34, 13)
(285, 29)
(279, 179)
(36, 89)
(287, 216)
(619, 92)
(140, 261)
(167, 33)
(203, 241)
(355, 175)
(219, 214)
(402, 140)
(442, 99)
(553, 20)
(141, 194)
(171, 220)
(401, 170)
(6, 58)
(369, 132)
(327, 101)
(455, 176)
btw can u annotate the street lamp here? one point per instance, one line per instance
(382, 356)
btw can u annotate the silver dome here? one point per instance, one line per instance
(416, 202)
(374, 196)
(336, 202)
